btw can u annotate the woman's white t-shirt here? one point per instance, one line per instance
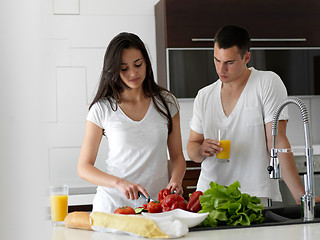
(249, 158)
(137, 151)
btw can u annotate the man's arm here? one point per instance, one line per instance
(199, 148)
(289, 170)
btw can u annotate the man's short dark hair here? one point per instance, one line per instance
(231, 35)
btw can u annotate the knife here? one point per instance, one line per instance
(148, 199)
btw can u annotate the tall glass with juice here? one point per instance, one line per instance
(58, 204)
(222, 136)
(225, 153)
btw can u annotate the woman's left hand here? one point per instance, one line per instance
(175, 187)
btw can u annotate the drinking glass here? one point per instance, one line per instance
(222, 135)
(58, 204)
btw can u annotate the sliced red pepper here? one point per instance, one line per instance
(173, 201)
(194, 202)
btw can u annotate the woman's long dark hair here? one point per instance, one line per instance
(111, 85)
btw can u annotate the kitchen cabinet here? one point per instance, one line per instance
(272, 23)
(182, 22)
(191, 177)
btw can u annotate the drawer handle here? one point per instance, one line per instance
(257, 39)
(193, 168)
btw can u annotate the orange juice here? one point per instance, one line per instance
(59, 207)
(225, 153)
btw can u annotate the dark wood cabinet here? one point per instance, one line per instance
(184, 20)
(191, 177)
(272, 23)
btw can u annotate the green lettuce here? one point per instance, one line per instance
(228, 206)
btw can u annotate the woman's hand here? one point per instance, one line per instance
(209, 148)
(130, 190)
(175, 187)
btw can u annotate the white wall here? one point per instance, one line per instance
(21, 153)
(78, 35)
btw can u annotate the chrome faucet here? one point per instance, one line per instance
(308, 199)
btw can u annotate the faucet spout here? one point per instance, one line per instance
(307, 200)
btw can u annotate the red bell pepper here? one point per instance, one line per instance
(163, 193)
(194, 202)
(154, 207)
(173, 201)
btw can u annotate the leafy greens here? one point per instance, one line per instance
(228, 206)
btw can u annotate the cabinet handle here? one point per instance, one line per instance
(257, 39)
(202, 39)
(279, 39)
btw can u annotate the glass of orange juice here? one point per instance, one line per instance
(58, 204)
(222, 135)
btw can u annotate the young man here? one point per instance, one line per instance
(242, 100)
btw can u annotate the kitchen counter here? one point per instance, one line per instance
(310, 231)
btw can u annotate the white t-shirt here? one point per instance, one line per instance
(137, 151)
(249, 156)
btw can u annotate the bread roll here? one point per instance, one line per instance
(79, 220)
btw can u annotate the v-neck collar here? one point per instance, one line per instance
(145, 116)
(240, 99)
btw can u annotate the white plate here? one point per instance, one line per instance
(191, 219)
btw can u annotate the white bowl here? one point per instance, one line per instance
(191, 219)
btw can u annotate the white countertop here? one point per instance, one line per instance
(310, 231)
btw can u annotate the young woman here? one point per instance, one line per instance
(140, 121)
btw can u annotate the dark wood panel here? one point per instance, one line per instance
(190, 179)
(190, 163)
(82, 208)
(187, 19)
(192, 174)
(189, 182)
(161, 31)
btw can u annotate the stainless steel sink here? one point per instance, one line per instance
(274, 216)
(288, 214)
